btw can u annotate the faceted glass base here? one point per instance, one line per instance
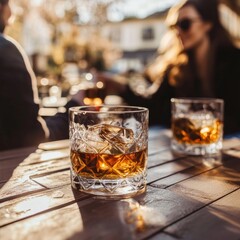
(108, 188)
(197, 149)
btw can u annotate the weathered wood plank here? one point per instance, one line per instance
(10, 168)
(193, 193)
(220, 220)
(235, 152)
(158, 132)
(162, 236)
(22, 180)
(126, 219)
(19, 153)
(18, 188)
(231, 143)
(54, 145)
(41, 168)
(181, 176)
(56, 179)
(159, 140)
(9, 160)
(43, 156)
(161, 157)
(228, 165)
(18, 182)
(7, 169)
(212, 184)
(20, 208)
(169, 168)
(136, 219)
(156, 146)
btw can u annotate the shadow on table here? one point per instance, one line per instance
(158, 214)
(10, 160)
(229, 171)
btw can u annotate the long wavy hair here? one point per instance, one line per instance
(4, 1)
(173, 59)
(2, 25)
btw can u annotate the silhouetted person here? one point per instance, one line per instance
(20, 124)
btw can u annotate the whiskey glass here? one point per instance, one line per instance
(197, 126)
(108, 150)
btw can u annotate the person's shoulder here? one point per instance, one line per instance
(11, 51)
(6, 41)
(8, 44)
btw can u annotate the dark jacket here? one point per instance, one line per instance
(226, 85)
(20, 124)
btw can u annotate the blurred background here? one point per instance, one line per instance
(68, 41)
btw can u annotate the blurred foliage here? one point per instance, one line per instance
(70, 41)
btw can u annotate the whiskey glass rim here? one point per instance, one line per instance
(113, 109)
(196, 100)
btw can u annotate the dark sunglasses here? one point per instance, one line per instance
(184, 24)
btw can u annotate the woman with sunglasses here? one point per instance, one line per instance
(201, 61)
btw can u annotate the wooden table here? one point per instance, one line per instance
(185, 198)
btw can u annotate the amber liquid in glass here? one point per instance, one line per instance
(108, 166)
(186, 131)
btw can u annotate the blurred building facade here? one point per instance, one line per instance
(137, 38)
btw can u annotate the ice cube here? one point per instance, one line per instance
(184, 129)
(93, 141)
(119, 133)
(183, 123)
(202, 118)
(136, 126)
(119, 138)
